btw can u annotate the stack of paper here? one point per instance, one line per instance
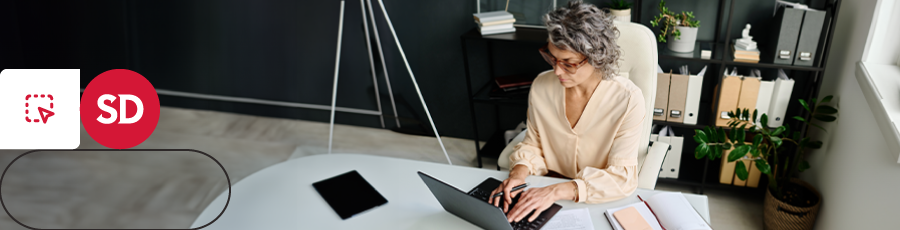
(742, 54)
(495, 22)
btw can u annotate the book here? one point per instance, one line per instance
(495, 27)
(631, 219)
(514, 80)
(498, 31)
(745, 56)
(746, 60)
(492, 16)
(738, 50)
(665, 210)
(507, 21)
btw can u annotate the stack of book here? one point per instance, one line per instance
(514, 82)
(745, 54)
(512, 86)
(496, 22)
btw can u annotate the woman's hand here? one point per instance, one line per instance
(540, 199)
(516, 177)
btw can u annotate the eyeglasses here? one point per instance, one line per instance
(568, 67)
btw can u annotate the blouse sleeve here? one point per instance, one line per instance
(620, 178)
(528, 152)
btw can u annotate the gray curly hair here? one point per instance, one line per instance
(585, 29)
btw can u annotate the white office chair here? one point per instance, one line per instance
(638, 63)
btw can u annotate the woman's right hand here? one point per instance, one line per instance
(516, 177)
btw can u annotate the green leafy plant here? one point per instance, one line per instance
(669, 19)
(767, 146)
(619, 5)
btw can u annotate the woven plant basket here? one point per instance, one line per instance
(778, 215)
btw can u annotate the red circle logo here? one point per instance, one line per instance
(119, 109)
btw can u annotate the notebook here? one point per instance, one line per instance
(663, 211)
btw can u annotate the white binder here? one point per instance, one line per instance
(692, 101)
(781, 96)
(672, 163)
(762, 101)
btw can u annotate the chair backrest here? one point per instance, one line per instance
(638, 63)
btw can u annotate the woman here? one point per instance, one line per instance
(583, 121)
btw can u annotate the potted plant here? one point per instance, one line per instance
(778, 153)
(621, 9)
(681, 29)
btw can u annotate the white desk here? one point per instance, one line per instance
(282, 196)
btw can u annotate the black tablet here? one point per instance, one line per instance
(349, 194)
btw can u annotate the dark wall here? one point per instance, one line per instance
(283, 50)
(273, 50)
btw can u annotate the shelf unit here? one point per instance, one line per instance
(699, 173)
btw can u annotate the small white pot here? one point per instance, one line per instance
(621, 15)
(686, 42)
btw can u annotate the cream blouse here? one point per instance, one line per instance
(600, 152)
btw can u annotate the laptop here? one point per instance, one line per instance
(474, 208)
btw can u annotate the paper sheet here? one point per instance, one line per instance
(675, 211)
(572, 219)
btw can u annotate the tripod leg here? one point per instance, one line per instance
(337, 64)
(387, 80)
(362, 7)
(411, 76)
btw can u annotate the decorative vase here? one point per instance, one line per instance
(621, 15)
(685, 44)
(779, 215)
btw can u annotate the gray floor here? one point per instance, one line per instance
(170, 189)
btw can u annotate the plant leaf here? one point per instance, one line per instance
(764, 120)
(763, 166)
(817, 126)
(733, 136)
(824, 109)
(745, 115)
(778, 130)
(701, 151)
(805, 106)
(803, 166)
(796, 135)
(700, 134)
(799, 118)
(726, 146)
(738, 152)
(754, 115)
(721, 133)
(718, 152)
(757, 140)
(742, 132)
(741, 170)
(827, 99)
(776, 140)
(711, 135)
(815, 144)
(825, 118)
(697, 138)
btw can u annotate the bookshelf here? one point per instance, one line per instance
(700, 174)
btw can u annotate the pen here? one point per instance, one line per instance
(517, 188)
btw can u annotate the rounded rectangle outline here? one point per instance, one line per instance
(116, 150)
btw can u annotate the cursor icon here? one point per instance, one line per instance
(45, 114)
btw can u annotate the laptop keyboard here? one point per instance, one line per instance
(480, 194)
(525, 225)
(483, 192)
